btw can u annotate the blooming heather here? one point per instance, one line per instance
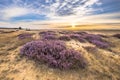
(77, 37)
(65, 38)
(54, 53)
(25, 35)
(100, 44)
(48, 35)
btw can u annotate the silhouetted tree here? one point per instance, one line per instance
(20, 27)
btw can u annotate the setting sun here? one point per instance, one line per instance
(73, 25)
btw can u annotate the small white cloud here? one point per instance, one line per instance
(12, 12)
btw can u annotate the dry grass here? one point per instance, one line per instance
(102, 64)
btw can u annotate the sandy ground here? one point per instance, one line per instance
(102, 64)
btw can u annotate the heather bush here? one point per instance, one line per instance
(81, 33)
(74, 36)
(65, 38)
(66, 32)
(49, 35)
(36, 47)
(104, 36)
(70, 59)
(100, 44)
(117, 36)
(90, 37)
(53, 53)
(77, 37)
(24, 36)
(96, 40)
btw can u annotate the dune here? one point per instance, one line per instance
(103, 64)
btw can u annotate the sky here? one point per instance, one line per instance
(43, 14)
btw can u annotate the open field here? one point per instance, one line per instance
(102, 63)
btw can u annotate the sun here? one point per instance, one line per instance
(73, 25)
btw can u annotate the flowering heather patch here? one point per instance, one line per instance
(42, 47)
(53, 53)
(90, 37)
(104, 36)
(25, 35)
(100, 44)
(49, 35)
(117, 36)
(65, 32)
(96, 40)
(65, 38)
(70, 59)
(74, 36)
(81, 33)
(77, 37)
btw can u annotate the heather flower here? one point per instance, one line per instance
(65, 32)
(25, 35)
(90, 37)
(81, 33)
(77, 37)
(71, 59)
(54, 53)
(104, 36)
(65, 38)
(96, 40)
(100, 44)
(49, 35)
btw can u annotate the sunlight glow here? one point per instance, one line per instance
(73, 25)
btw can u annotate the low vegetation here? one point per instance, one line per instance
(59, 55)
(117, 36)
(54, 53)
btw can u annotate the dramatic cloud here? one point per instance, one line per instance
(49, 8)
(58, 11)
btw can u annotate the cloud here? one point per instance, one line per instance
(49, 8)
(56, 12)
(12, 12)
(107, 18)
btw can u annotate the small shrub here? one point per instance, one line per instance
(49, 37)
(70, 59)
(65, 32)
(117, 36)
(53, 53)
(77, 37)
(90, 37)
(24, 36)
(96, 40)
(81, 33)
(65, 38)
(47, 33)
(100, 44)
(104, 36)
(74, 36)
(44, 47)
